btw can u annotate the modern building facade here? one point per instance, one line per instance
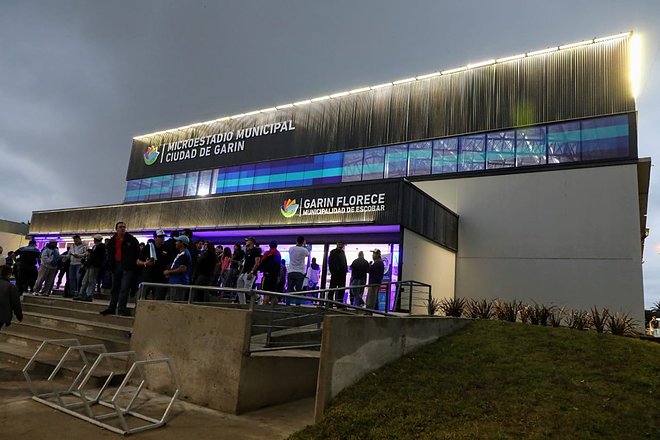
(512, 178)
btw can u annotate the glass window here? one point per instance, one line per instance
(132, 191)
(500, 151)
(396, 161)
(605, 138)
(472, 151)
(246, 178)
(564, 142)
(204, 187)
(155, 189)
(295, 172)
(145, 186)
(191, 183)
(374, 163)
(530, 146)
(231, 178)
(261, 176)
(352, 167)
(313, 169)
(179, 185)
(419, 158)
(332, 168)
(445, 156)
(166, 187)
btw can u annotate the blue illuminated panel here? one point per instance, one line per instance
(567, 142)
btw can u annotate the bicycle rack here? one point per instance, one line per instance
(87, 369)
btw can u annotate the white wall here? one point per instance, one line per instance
(564, 237)
(426, 261)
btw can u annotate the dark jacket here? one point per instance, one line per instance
(206, 262)
(10, 302)
(97, 256)
(359, 269)
(376, 271)
(337, 262)
(130, 251)
(28, 257)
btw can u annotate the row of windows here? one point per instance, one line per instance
(576, 141)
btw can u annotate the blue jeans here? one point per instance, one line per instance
(121, 286)
(74, 282)
(295, 284)
(356, 293)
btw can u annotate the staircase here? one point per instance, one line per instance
(55, 317)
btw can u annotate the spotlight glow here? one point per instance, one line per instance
(635, 64)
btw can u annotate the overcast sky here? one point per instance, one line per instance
(79, 79)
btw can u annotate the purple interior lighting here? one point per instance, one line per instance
(321, 230)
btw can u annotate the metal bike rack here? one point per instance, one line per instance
(79, 388)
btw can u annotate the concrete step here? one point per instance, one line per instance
(39, 331)
(292, 336)
(57, 301)
(78, 326)
(81, 314)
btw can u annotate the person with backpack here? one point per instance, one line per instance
(270, 265)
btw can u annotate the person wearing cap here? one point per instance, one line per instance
(376, 272)
(123, 252)
(50, 255)
(181, 267)
(270, 265)
(338, 269)
(95, 260)
(154, 260)
(249, 272)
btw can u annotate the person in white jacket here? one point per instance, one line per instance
(76, 253)
(50, 256)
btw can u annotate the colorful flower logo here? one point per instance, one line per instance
(289, 208)
(151, 155)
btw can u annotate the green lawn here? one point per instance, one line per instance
(497, 379)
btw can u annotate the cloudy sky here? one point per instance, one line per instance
(79, 79)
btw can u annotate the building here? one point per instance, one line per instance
(12, 235)
(512, 178)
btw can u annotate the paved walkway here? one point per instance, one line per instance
(23, 418)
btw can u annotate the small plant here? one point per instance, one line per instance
(507, 311)
(578, 319)
(556, 316)
(621, 324)
(525, 314)
(541, 314)
(656, 307)
(432, 306)
(480, 309)
(453, 306)
(599, 319)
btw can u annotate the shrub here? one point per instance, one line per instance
(507, 311)
(578, 319)
(621, 324)
(556, 316)
(432, 306)
(481, 309)
(453, 306)
(525, 314)
(599, 319)
(542, 313)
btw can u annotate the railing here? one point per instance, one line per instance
(286, 321)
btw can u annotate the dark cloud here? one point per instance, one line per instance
(80, 78)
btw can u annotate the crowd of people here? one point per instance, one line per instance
(121, 263)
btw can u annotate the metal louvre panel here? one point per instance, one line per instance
(398, 125)
(418, 112)
(584, 81)
(380, 116)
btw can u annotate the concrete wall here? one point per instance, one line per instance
(564, 237)
(353, 346)
(207, 345)
(275, 377)
(425, 261)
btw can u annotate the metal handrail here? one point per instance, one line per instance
(323, 306)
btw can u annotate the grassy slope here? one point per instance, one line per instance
(501, 380)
